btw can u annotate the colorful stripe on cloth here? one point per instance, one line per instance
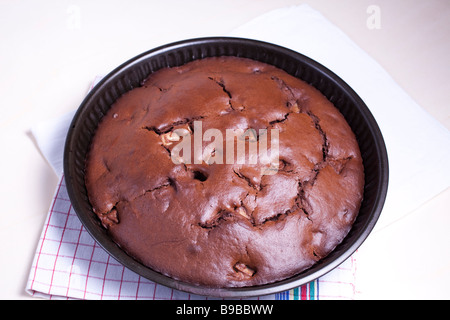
(309, 291)
(338, 284)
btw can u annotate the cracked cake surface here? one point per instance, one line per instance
(225, 224)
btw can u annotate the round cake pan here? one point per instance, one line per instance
(130, 75)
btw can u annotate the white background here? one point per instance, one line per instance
(52, 50)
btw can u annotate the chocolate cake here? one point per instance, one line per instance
(191, 206)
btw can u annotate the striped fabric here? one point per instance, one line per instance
(339, 284)
(309, 291)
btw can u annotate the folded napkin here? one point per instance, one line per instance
(69, 264)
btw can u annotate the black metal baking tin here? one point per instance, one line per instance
(130, 74)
